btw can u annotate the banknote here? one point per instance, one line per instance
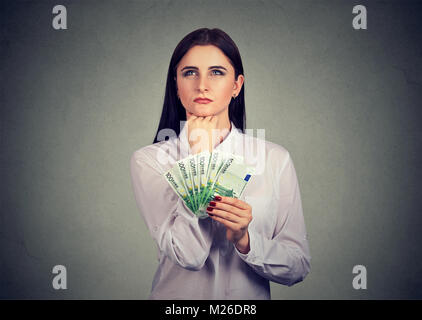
(233, 178)
(193, 174)
(186, 178)
(198, 178)
(203, 166)
(217, 160)
(175, 181)
(231, 181)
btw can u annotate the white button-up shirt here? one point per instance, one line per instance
(196, 261)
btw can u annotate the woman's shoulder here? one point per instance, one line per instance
(264, 154)
(148, 152)
(278, 156)
(272, 149)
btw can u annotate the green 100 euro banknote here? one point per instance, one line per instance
(198, 178)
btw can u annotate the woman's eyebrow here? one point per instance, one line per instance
(212, 67)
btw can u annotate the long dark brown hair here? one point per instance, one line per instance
(173, 111)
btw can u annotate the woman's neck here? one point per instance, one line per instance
(224, 126)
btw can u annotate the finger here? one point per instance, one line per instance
(228, 208)
(188, 115)
(225, 215)
(234, 202)
(191, 120)
(227, 223)
(211, 119)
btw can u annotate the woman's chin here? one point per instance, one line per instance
(203, 113)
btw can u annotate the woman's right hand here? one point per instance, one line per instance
(200, 132)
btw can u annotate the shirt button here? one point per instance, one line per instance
(155, 228)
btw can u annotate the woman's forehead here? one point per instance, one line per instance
(204, 57)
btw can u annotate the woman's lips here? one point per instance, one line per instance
(202, 101)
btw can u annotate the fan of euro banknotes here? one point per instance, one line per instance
(198, 178)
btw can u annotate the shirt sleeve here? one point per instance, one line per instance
(178, 233)
(284, 256)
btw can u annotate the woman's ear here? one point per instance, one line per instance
(238, 83)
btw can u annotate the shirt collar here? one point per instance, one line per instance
(227, 144)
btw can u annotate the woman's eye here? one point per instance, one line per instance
(218, 72)
(213, 72)
(187, 73)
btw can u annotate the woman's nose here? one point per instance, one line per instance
(203, 83)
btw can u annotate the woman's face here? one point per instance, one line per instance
(206, 72)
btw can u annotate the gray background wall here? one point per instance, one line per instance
(76, 103)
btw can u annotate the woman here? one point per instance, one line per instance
(247, 241)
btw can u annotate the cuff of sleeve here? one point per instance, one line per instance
(251, 256)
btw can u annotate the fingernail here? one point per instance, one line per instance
(218, 198)
(212, 204)
(209, 209)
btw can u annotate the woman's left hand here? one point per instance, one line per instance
(236, 215)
